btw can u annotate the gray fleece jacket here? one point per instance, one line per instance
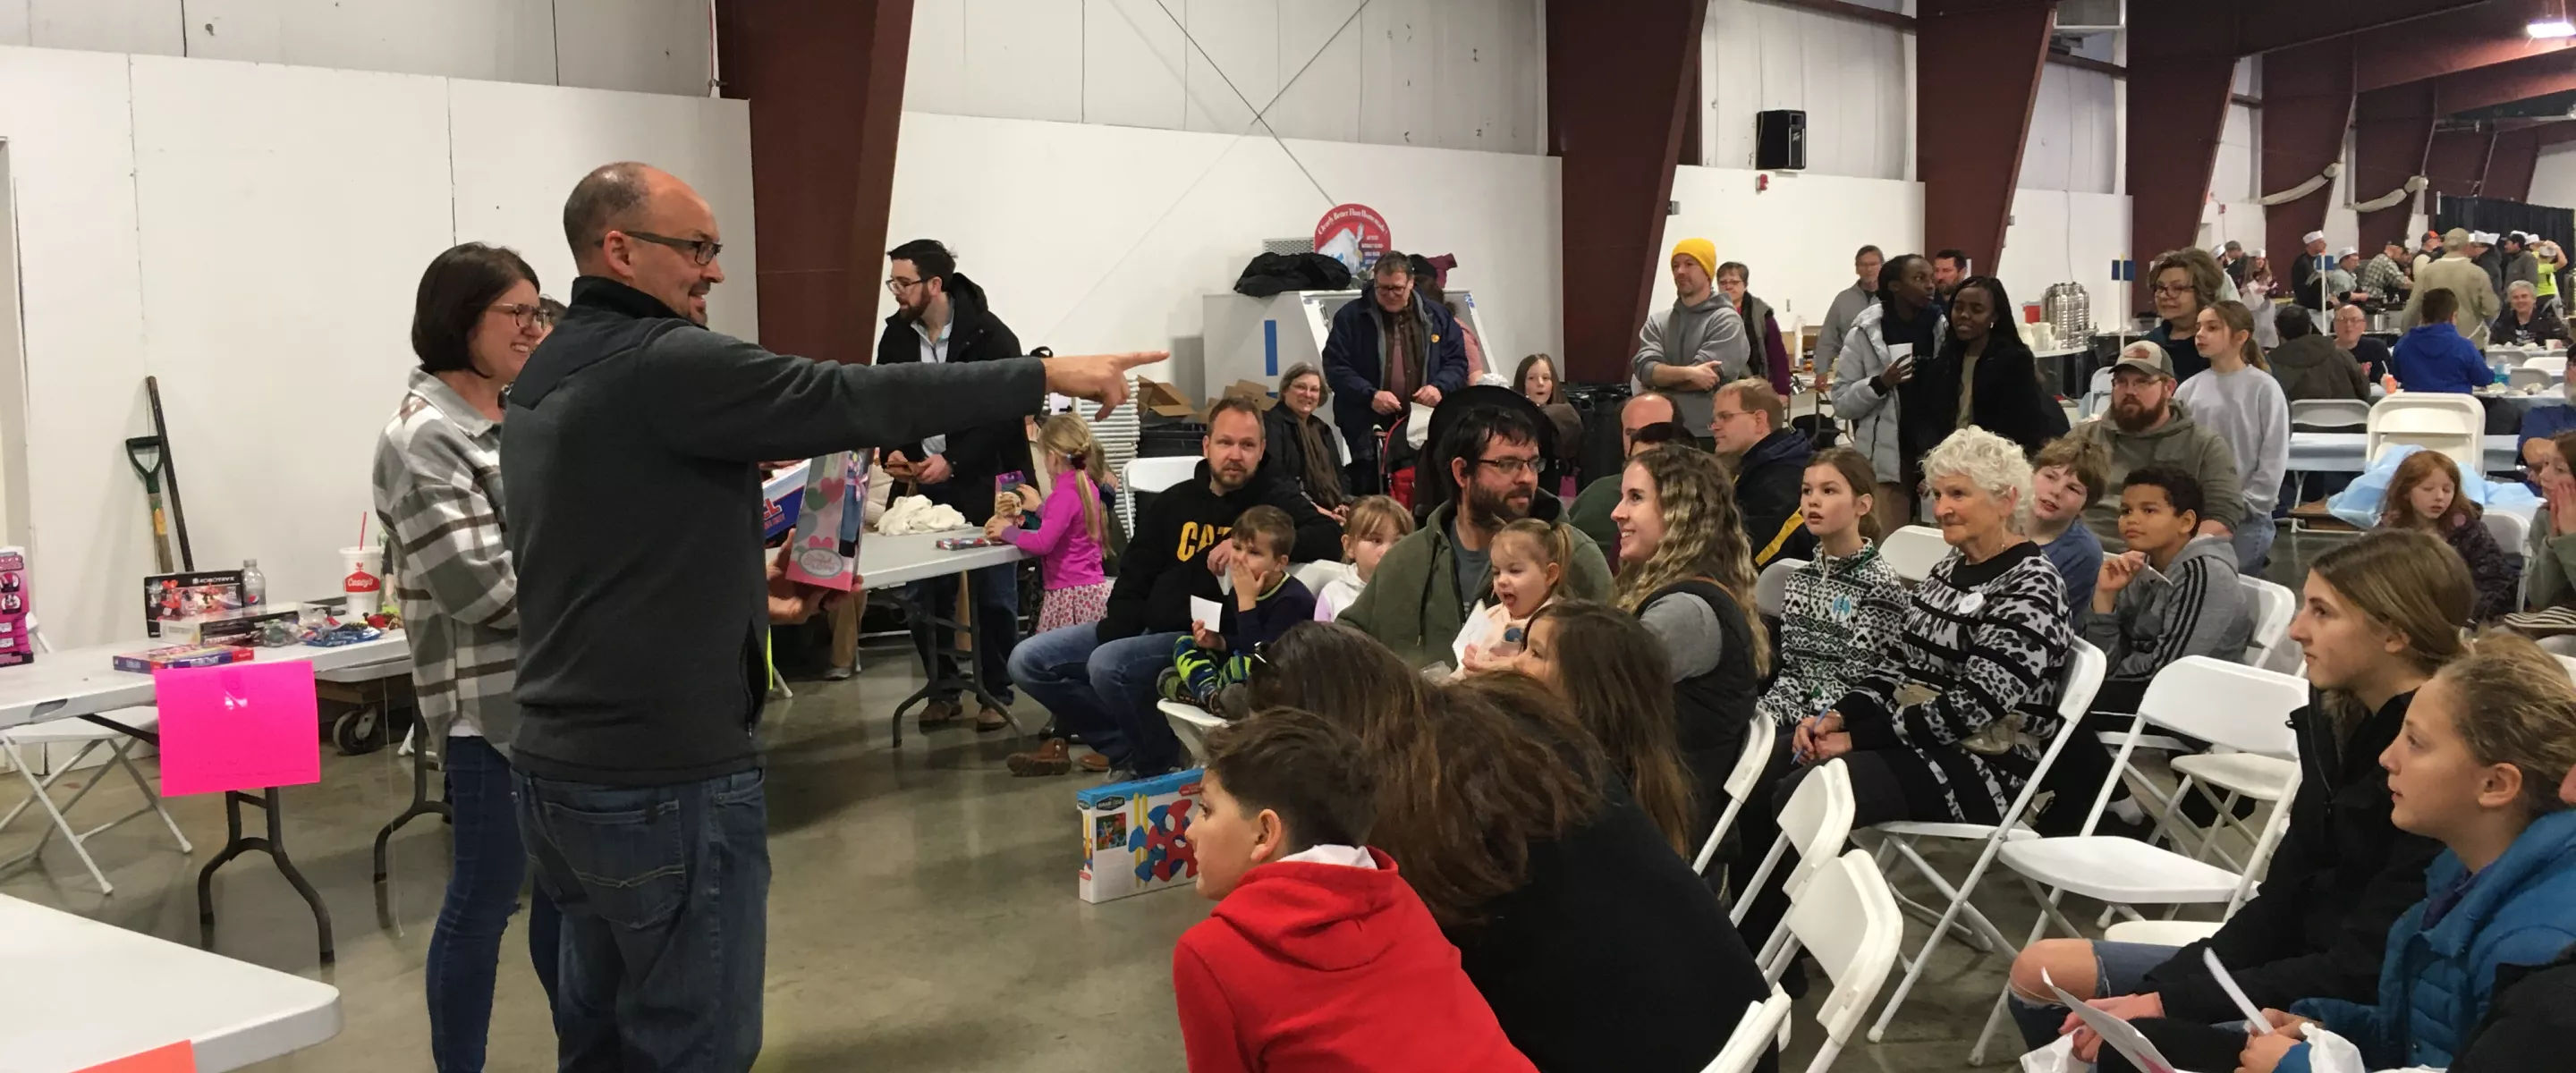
(2193, 607)
(1690, 335)
(2180, 442)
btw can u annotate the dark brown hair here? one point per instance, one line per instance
(1302, 766)
(458, 287)
(1468, 776)
(2439, 305)
(1612, 672)
(1238, 404)
(1270, 525)
(1856, 471)
(1555, 382)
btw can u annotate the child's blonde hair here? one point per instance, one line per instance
(1069, 435)
(1372, 515)
(2516, 707)
(1549, 542)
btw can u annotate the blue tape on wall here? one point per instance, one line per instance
(1270, 348)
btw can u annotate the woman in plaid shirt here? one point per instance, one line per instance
(438, 489)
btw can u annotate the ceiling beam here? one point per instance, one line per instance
(2505, 83)
(2264, 28)
(2483, 37)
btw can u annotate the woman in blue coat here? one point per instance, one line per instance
(2477, 767)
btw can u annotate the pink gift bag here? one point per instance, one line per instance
(820, 556)
(243, 726)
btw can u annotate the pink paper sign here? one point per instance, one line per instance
(180, 1057)
(244, 726)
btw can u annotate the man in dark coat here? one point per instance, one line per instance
(941, 317)
(1385, 352)
(1750, 425)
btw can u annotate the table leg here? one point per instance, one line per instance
(421, 806)
(969, 676)
(235, 844)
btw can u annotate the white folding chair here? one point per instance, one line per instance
(2434, 420)
(2274, 606)
(2330, 415)
(2510, 530)
(1758, 738)
(40, 738)
(2553, 364)
(1754, 1035)
(1847, 918)
(1913, 551)
(2230, 705)
(2568, 662)
(2526, 377)
(1151, 475)
(1191, 724)
(2096, 394)
(1816, 821)
(1772, 588)
(2085, 666)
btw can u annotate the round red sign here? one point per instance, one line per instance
(1353, 234)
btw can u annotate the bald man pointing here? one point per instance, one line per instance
(629, 465)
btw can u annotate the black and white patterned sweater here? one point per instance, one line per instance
(1836, 618)
(1988, 641)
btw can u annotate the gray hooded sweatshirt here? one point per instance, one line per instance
(1689, 335)
(2193, 607)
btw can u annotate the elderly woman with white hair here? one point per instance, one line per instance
(1951, 720)
(2526, 322)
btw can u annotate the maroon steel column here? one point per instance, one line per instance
(825, 82)
(1619, 80)
(2307, 105)
(2392, 129)
(1977, 65)
(2182, 63)
(2517, 155)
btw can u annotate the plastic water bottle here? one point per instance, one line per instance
(254, 584)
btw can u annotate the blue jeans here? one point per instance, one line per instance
(2118, 969)
(1104, 691)
(665, 899)
(996, 592)
(482, 892)
(2253, 543)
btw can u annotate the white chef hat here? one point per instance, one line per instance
(2484, 238)
(2347, 251)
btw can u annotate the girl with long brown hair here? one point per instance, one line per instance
(1687, 574)
(1533, 856)
(1839, 610)
(1614, 676)
(2237, 398)
(2425, 494)
(2378, 617)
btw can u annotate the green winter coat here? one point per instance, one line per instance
(1412, 604)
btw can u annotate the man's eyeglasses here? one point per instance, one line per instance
(1392, 288)
(1510, 467)
(527, 316)
(701, 250)
(898, 285)
(1720, 417)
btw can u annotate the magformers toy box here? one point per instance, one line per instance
(1136, 835)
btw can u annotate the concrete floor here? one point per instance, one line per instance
(922, 915)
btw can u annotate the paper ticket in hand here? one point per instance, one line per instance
(1206, 611)
(2117, 1034)
(2253, 1014)
(1477, 631)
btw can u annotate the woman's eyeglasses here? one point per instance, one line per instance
(527, 316)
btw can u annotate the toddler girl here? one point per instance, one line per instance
(1071, 526)
(1529, 560)
(2425, 494)
(1374, 525)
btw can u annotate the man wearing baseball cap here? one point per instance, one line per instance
(2382, 279)
(2456, 273)
(2147, 428)
(2432, 252)
(2482, 249)
(2521, 265)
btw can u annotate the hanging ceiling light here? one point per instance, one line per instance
(2547, 29)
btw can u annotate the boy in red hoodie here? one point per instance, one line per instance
(1319, 956)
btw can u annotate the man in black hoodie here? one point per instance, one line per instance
(630, 457)
(941, 317)
(1750, 426)
(1098, 678)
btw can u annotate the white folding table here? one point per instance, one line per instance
(2341, 452)
(75, 993)
(887, 563)
(84, 683)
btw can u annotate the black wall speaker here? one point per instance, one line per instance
(1780, 139)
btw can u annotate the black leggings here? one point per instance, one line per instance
(1887, 784)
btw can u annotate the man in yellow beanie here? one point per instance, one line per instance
(1688, 350)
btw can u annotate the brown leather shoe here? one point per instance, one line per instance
(1093, 763)
(990, 720)
(1054, 757)
(940, 713)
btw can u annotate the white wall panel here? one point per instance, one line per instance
(2059, 236)
(1854, 80)
(1151, 221)
(66, 116)
(934, 70)
(2074, 134)
(2553, 179)
(1233, 71)
(2236, 177)
(1134, 66)
(1797, 237)
(518, 150)
(650, 46)
(1319, 71)
(493, 39)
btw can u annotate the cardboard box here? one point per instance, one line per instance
(153, 659)
(240, 627)
(1158, 399)
(1136, 836)
(1258, 393)
(17, 609)
(203, 592)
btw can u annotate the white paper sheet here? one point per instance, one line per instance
(2253, 1013)
(1206, 611)
(1478, 630)
(2116, 1034)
